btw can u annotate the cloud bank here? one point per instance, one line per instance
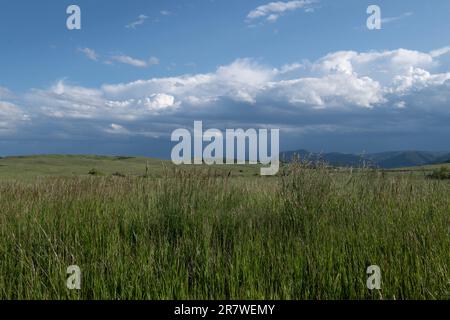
(346, 91)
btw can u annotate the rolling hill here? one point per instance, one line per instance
(31, 167)
(388, 160)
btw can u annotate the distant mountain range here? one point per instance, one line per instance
(388, 160)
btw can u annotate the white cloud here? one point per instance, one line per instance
(400, 104)
(291, 67)
(378, 64)
(337, 90)
(117, 129)
(135, 62)
(392, 19)
(93, 55)
(67, 101)
(440, 52)
(139, 21)
(153, 61)
(90, 53)
(5, 93)
(273, 10)
(158, 101)
(10, 116)
(344, 78)
(346, 83)
(239, 81)
(417, 79)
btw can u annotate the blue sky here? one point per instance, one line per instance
(139, 69)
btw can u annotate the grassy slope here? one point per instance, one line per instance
(424, 169)
(31, 167)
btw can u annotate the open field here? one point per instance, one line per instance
(424, 169)
(32, 167)
(196, 233)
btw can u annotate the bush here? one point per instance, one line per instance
(442, 173)
(94, 172)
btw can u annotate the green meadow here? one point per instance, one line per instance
(144, 229)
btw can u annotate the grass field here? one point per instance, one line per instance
(194, 233)
(32, 167)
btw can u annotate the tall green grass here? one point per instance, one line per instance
(309, 234)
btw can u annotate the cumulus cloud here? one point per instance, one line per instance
(273, 10)
(68, 101)
(10, 117)
(345, 78)
(345, 91)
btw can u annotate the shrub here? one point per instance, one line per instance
(442, 173)
(94, 172)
